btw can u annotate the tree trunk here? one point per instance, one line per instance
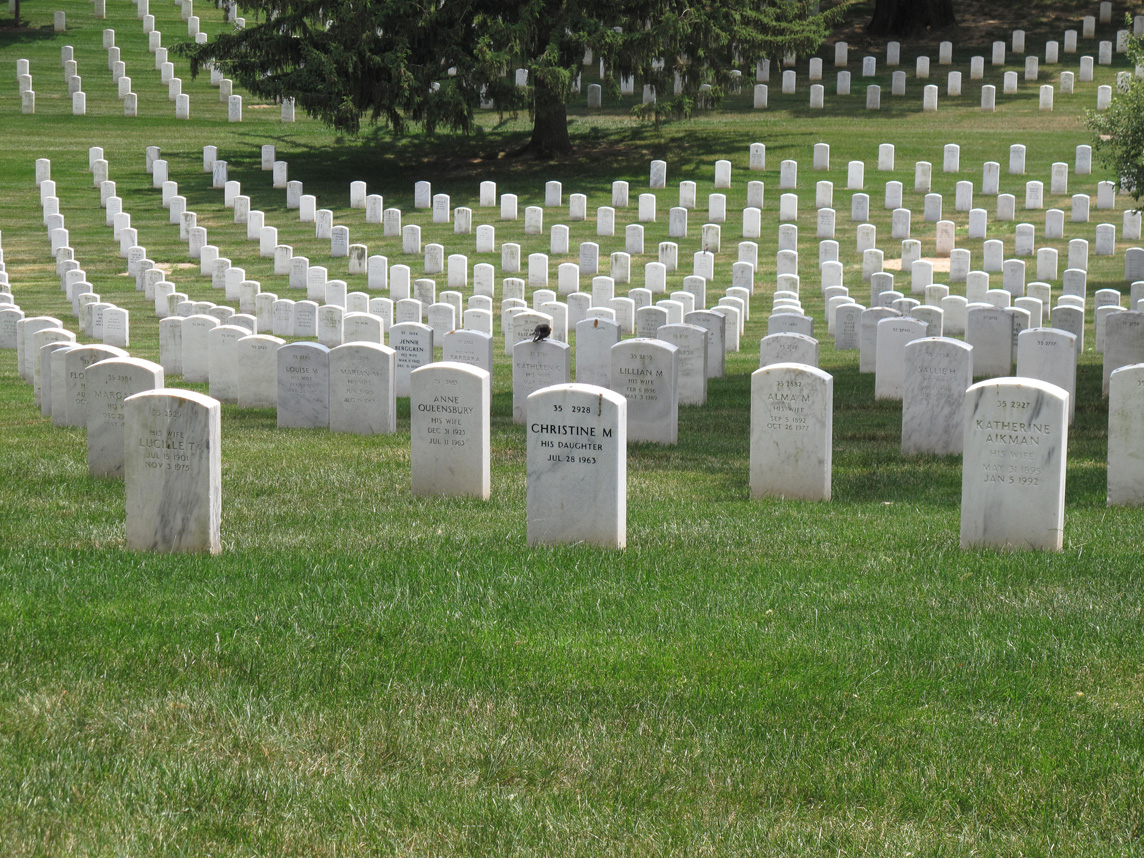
(910, 17)
(549, 124)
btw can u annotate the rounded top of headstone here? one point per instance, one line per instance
(169, 393)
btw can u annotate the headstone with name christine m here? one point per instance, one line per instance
(577, 466)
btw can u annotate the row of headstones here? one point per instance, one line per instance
(1017, 42)
(893, 59)
(931, 92)
(450, 324)
(99, 319)
(1032, 64)
(994, 325)
(1010, 445)
(534, 215)
(1014, 286)
(186, 341)
(123, 83)
(44, 169)
(458, 262)
(167, 302)
(362, 296)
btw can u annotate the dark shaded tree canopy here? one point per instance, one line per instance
(910, 17)
(434, 63)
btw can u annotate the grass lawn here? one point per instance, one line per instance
(366, 672)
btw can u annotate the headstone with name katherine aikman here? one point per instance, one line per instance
(363, 389)
(577, 466)
(1013, 464)
(173, 471)
(109, 383)
(449, 405)
(792, 425)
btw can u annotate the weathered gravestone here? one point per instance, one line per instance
(594, 340)
(890, 363)
(577, 466)
(1125, 440)
(449, 430)
(1013, 465)
(990, 331)
(196, 351)
(1123, 342)
(938, 371)
(173, 471)
(363, 389)
(646, 373)
(716, 326)
(42, 338)
(223, 361)
(792, 415)
(691, 341)
(788, 348)
(303, 386)
(470, 347)
(1049, 354)
(257, 359)
(537, 364)
(69, 387)
(109, 382)
(868, 336)
(26, 328)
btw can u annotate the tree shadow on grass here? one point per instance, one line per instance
(453, 162)
(13, 36)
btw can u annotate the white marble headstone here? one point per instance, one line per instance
(109, 382)
(449, 430)
(577, 466)
(173, 471)
(1125, 441)
(792, 416)
(303, 386)
(363, 389)
(1013, 465)
(938, 372)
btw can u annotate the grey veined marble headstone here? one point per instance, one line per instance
(173, 471)
(938, 371)
(792, 424)
(577, 466)
(1125, 442)
(1013, 465)
(363, 389)
(108, 384)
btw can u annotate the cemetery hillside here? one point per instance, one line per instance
(765, 481)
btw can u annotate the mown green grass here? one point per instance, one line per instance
(366, 672)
